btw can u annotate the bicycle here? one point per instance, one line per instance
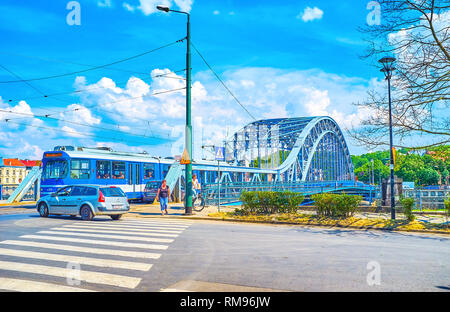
(198, 202)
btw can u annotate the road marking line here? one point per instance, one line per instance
(138, 226)
(156, 222)
(174, 290)
(122, 228)
(106, 263)
(96, 242)
(122, 237)
(87, 276)
(107, 231)
(32, 286)
(100, 251)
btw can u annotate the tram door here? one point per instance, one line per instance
(134, 179)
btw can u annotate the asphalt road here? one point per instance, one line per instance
(155, 254)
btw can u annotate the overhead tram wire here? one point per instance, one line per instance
(225, 86)
(83, 134)
(93, 68)
(99, 88)
(79, 124)
(29, 84)
(54, 118)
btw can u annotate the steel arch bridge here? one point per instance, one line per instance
(298, 149)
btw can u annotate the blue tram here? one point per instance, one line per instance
(68, 165)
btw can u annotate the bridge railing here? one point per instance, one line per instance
(230, 192)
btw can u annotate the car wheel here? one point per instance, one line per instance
(116, 217)
(86, 213)
(43, 210)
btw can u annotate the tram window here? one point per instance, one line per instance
(149, 171)
(79, 169)
(55, 169)
(103, 169)
(165, 170)
(118, 170)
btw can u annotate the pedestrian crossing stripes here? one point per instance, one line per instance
(114, 232)
(133, 229)
(121, 237)
(108, 253)
(89, 250)
(32, 286)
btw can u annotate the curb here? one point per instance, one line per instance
(299, 224)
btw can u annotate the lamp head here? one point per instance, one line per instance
(163, 8)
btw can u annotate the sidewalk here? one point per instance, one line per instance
(174, 210)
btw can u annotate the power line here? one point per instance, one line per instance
(94, 106)
(98, 88)
(83, 107)
(80, 133)
(76, 123)
(96, 67)
(225, 86)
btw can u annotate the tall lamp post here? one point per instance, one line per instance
(387, 69)
(188, 178)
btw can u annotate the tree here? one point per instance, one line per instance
(417, 33)
(428, 176)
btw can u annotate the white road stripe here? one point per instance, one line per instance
(155, 221)
(87, 276)
(113, 232)
(96, 242)
(106, 263)
(142, 225)
(122, 237)
(32, 286)
(122, 228)
(138, 227)
(99, 251)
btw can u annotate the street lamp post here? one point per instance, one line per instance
(188, 132)
(387, 69)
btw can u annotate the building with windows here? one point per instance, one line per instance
(12, 172)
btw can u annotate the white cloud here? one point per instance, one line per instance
(265, 92)
(128, 7)
(149, 6)
(310, 14)
(216, 12)
(104, 3)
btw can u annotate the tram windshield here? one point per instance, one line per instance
(55, 169)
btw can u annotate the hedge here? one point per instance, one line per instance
(266, 202)
(407, 205)
(336, 205)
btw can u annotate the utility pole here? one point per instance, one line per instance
(387, 70)
(188, 131)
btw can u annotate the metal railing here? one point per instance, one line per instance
(428, 199)
(230, 192)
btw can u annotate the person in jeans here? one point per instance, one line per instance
(163, 196)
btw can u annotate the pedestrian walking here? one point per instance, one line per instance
(163, 196)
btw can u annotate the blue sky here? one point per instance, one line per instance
(276, 63)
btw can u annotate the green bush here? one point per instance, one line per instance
(336, 205)
(407, 205)
(447, 207)
(265, 202)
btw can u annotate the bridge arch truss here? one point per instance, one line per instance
(299, 149)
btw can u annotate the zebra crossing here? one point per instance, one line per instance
(86, 256)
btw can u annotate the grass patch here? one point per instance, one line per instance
(350, 222)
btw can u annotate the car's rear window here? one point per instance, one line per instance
(112, 192)
(152, 185)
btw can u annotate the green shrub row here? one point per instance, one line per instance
(408, 205)
(265, 202)
(336, 205)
